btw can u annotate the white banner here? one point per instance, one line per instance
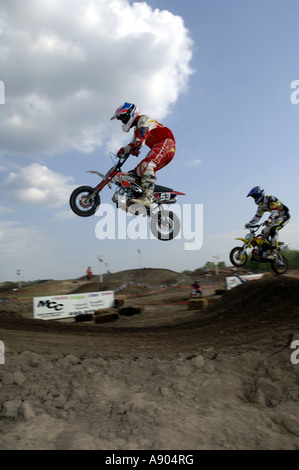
(65, 306)
(234, 281)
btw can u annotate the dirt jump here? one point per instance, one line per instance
(163, 376)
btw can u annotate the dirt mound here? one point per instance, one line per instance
(134, 280)
(261, 298)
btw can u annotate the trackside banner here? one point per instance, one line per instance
(65, 306)
(234, 281)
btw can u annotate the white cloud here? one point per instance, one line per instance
(70, 63)
(53, 45)
(37, 184)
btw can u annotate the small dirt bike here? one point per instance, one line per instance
(164, 224)
(261, 249)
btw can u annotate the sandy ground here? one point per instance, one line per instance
(169, 378)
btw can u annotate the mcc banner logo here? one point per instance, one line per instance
(66, 306)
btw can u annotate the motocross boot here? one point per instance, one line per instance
(274, 254)
(147, 185)
(270, 254)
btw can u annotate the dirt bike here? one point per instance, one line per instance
(261, 249)
(164, 224)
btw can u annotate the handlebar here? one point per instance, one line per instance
(254, 227)
(124, 156)
(122, 159)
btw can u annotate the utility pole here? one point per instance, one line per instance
(19, 278)
(216, 268)
(140, 260)
(100, 258)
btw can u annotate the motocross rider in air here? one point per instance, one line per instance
(279, 216)
(148, 132)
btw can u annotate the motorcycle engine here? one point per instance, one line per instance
(120, 196)
(257, 253)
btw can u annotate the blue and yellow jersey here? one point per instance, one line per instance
(270, 204)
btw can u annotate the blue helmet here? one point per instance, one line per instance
(127, 113)
(257, 193)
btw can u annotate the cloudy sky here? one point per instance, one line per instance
(222, 74)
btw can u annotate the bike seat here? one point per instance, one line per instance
(162, 189)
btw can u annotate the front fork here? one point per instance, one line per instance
(242, 252)
(106, 181)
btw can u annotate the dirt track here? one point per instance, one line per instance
(168, 378)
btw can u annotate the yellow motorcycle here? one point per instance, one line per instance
(262, 251)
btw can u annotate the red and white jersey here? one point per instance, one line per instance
(150, 132)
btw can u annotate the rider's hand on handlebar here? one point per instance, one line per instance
(123, 151)
(247, 225)
(129, 149)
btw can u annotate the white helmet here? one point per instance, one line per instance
(127, 113)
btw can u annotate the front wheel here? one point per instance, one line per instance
(280, 265)
(81, 205)
(165, 225)
(238, 258)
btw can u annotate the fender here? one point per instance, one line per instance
(246, 242)
(242, 240)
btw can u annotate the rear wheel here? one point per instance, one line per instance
(280, 265)
(165, 225)
(81, 205)
(238, 258)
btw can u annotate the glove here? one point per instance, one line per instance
(135, 149)
(247, 225)
(123, 150)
